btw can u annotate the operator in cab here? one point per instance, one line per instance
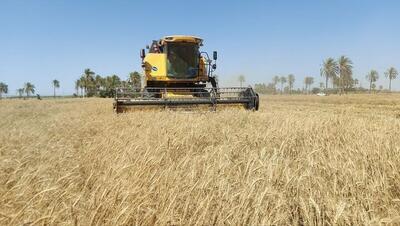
(176, 65)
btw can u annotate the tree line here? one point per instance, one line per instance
(338, 76)
(27, 89)
(88, 85)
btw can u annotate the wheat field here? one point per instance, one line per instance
(300, 160)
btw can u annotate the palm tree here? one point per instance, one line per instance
(29, 88)
(241, 79)
(115, 81)
(3, 88)
(20, 92)
(56, 85)
(291, 80)
(111, 83)
(329, 70)
(391, 74)
(87, 79)
(345, 66)
(372, 77)
(99, 83)
(282, 80)
(308, 81)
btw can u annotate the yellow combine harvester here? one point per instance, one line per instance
(178, 75)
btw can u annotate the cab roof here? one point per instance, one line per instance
(181, 38)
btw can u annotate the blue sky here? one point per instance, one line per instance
(46, 39)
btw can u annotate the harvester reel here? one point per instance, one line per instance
(213, 98)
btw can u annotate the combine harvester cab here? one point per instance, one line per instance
(178, 76)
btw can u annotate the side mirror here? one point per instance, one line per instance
(215, 55)
(142, 54)
(214, 66)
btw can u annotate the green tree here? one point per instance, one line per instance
(391, 74)
(241, 80)
(29, 88)
(265, 89)
(124, 84)
(329, 70)
(3, 89)
(56, 85)
(282, 80)
(99, 82)
(308, 81)
(335, 82)
(260, 88)
(88, 81)
(372, 77)
(345, 66)
(291, 80)
(111, 83)
(135, 80)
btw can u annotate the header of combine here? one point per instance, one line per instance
(176, 74)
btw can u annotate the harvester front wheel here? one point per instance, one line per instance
(256, 102)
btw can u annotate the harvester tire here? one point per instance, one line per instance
(256, 102)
